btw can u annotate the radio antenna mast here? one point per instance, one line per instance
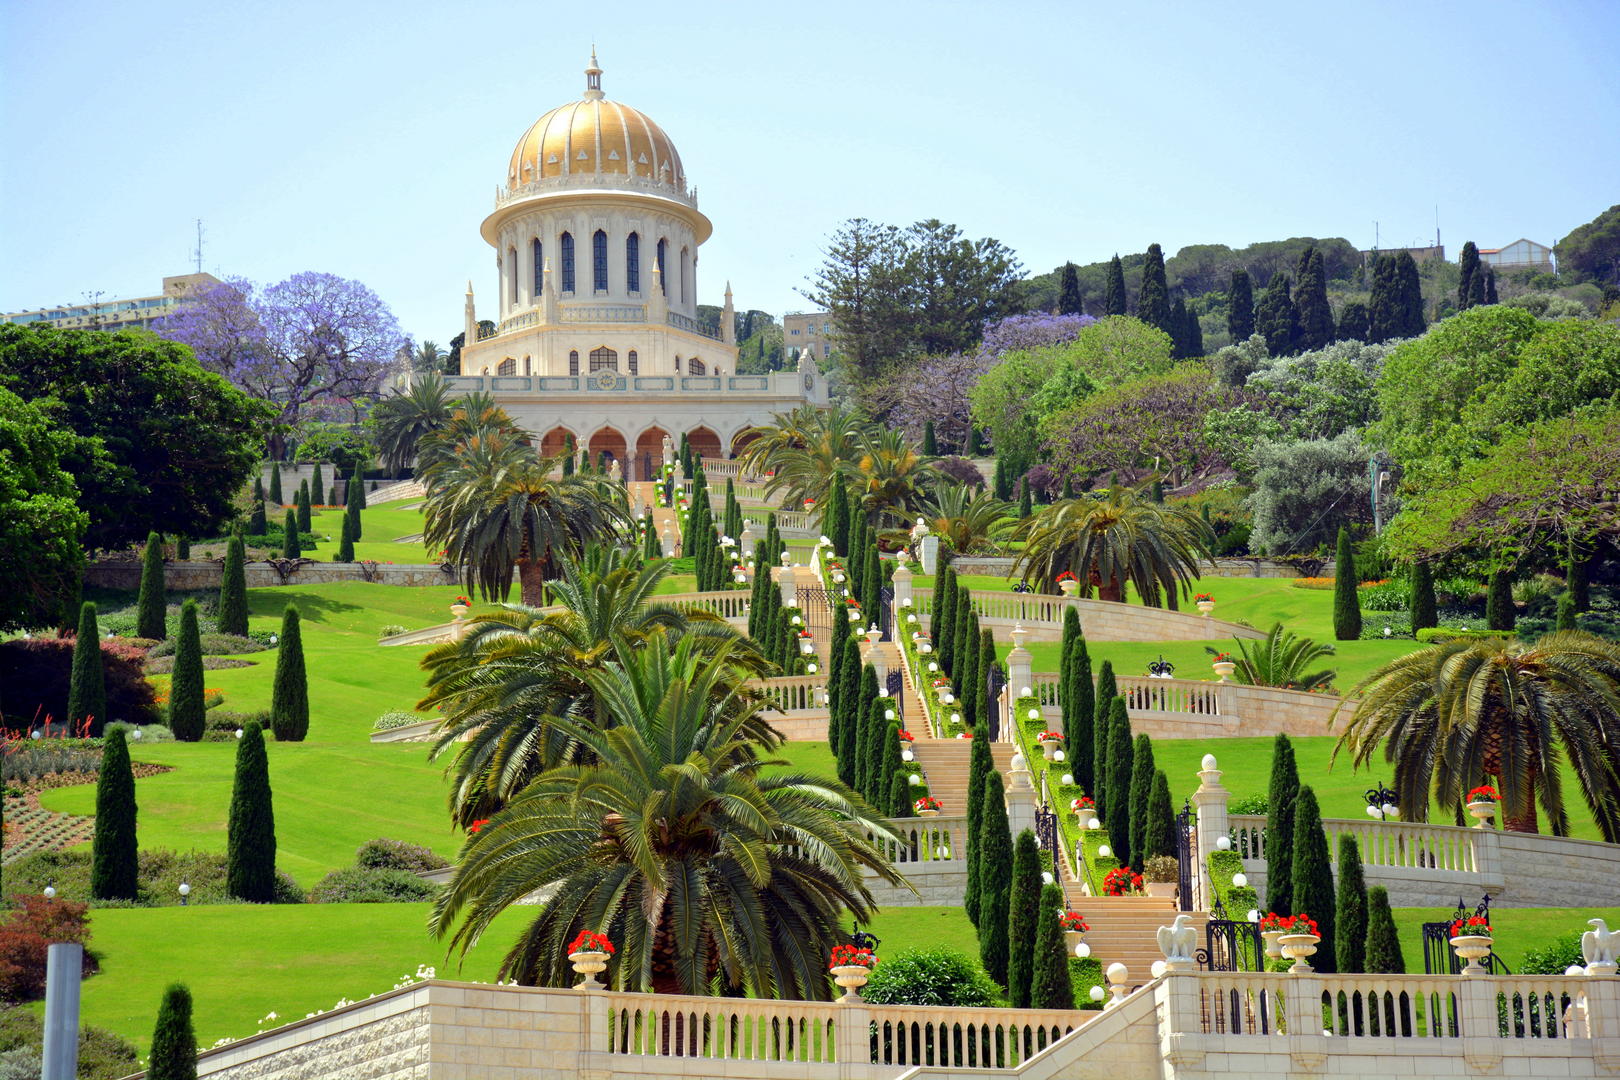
(197, 254)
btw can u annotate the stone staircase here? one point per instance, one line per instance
(1124, 929)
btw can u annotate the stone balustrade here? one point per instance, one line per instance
(1193, 708)
(727, 603)
(1100, 620)
(795, 693)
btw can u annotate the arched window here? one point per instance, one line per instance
(573, 362)
(527, 366)
(604, 359)
(539, 266)
(567, 242)
(599, 261)
(663, 280)
(686, 272)
(635, 366)
(632, 264)
(695, 366)
(677, 365)
(507, 366)
(511, 261)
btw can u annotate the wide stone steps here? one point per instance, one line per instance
(1124, 929)
(946, 763)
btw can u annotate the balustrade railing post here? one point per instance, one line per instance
(852, 1038)
(1210, 800)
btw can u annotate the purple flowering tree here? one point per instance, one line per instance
(317, 346)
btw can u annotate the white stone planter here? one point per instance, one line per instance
(1299, 948)
(1069, 587)
(1483, 810)
(1049, 748)
(589, 963)
(854, 614)
(1273, 950)
(928, 813)
(805, 648)
(459, 611)
(1472, 948)
(1071, 938)
(1161, 888)
(1205, 607)
(1224, 668)
(850, 978)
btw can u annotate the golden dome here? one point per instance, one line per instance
(594, 137)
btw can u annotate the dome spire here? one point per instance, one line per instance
(593, 79)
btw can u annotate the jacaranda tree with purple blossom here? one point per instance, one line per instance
(316, 345)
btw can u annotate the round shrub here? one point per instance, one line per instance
(158, 876)
(1554, 957)
(388, 721)
(931, 977)
(356, 885)
(386, 854)
(1249, 804)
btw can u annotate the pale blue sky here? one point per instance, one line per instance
(367, 139)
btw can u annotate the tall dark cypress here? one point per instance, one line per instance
(1353, 322)
(1153, 302)
(1142, 773)
(232, 611)
(317, 487)
(1346, 601)
(359, 482)
(1499, 611)
(980, 765)
(963, 636)
(291, 548)
(1179, 343)
(250, 843)
(1383, 314)
(1071, 634)
(1240, 307)
(1078, 730)
(1051, 987)
(835, 690)
(1106, 691)
(188, 716)
(1026, 505)
(1423, 606)
(1280, 798)
(1276, 317)
(871, 584)
(305, 516)
(1161, 829)
(1023, 908)
(1467, 267)
(151, 605)
(113, 857)
(1409, 296)
(1476, 291)
(289, 696)
(838, 518)
(345, 551)
(1069, 298)
(87, 681)
(1316, 328)
(995, 878)
(1120, 766)
(939, 623)
(1490, 286)
(1114, 288)
(1194, 331)
(1575, 578)
(174, 1043)
(1350, 944)
(1383, 953)
(930, 441)
(981, 688)
(1313, 876)
(275, 483)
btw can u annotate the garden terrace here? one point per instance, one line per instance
(1100, 620)
(1193, 708)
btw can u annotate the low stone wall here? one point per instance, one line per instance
(809, 726)
(1259, 568)
(126, 574)
(388, 1038)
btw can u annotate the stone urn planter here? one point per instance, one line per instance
(1483, 810)
(459, 611)
(805, 647)
(850, 978)
(1299, 948)
(1068, 586)
(1472, 948)
(928, 813)
(1050, 747)
(1205, 607)
(589, 963)
(873, 636)
(838, 577)
(1161, 888)
(1071, 938)
(1273, 949)
(854, 614)
(1224, 669)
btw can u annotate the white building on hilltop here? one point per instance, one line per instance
(596, 235)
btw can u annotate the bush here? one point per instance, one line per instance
(935, 977)
(36, 673)
(1385, 596)
(158, 877)
(32, 760)
(358, 885)
(220, 720)
(1398, 622)
(102, 1055)
(1554, 957)
(214, 645)
(1249, 804)
(388, 630)
(386, 854)
(1439, 635)
(31, 927)
(150, 733)
(1161, 869)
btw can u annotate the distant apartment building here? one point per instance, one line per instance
(810, 330)
(1419, 254)
(138, 311)
(1520, 255)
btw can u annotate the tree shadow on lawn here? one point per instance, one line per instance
(312, 607)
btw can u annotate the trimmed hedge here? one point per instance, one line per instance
(1439, 635)
(360, 885)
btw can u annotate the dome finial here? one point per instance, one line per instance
(593, 78)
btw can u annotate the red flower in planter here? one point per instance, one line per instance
(1471, 926)
(1122, 881)
(851, 956)
(1072, 921)
(1484, 793)
(1067, 576)
(906, 736)
(590, 941)
(478, 826)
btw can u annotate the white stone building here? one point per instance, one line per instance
(596, 233)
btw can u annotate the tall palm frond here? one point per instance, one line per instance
(474, 418)
(1281, 659)
(970, 520)
(401, 422)
(890, 479)
(1111, 538)
(802, 449)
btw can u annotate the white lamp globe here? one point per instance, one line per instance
(914, 780)
(50, 892)
(1082, 950)
(1097, 992)
(1209, 762)
(796, 621)
(1254, 914)
(136, 734)
(1240, 879)
(1375, 812)
(1574, 969)
(811, 669)
(1025, 692)
(1046, 877)
(1093, 824)
(956, 718)
(185, 889)
(888, 714)
(1058, 755)
(1068, 778)
(1390, 810)
(883, 691)
(932, 666)
(1158, 968)
(1118, 973)
(907, 755)
(1034, 714)
(1105, 852)
(1224, 843)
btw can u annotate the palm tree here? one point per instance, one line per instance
(1281, 659)
(496, 506)
(475, 418)
(889, 478)
(519, 667)
(800, 450)
(1467, 712)
(1113, 538)
(971, 521)
(707, 874)
(428, 357)
(404, 420)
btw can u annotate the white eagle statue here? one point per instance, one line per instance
(1179, 941)
(1599, 945)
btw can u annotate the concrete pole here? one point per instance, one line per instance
(64, 968)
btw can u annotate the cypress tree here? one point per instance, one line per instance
(1161, 830)
(982, 705)
(1467, 267)
(250, 845)
(980, 765)
(289, 697)
(835, 691)
(1120, 755)
(1079, 735)
(1423, 609)
(1499, 613)
(1490, 286)
(113, 860)
(930, 443)
(1383, 955)
(1313, 876)
(871, 583)
(1408, 296)
(1280, 798)
(1346, 602)
(302, 504)
(1023, 908)
(290, 546)
(87, 683)
(939, 623)
(187, 713)
(1315, 314)
(1069, 299)
(1114, 288)
(649, 539)
(1383, 316)
(975, 442)
(892, 768)
(854, 723)
(1350, 914)
(174, 1045)
(151, 605)
(1353, 322)
(1106, 690)
(345, 551)
(1071, 634)
(1142, 773)
(1026, 506)
(258, 489)
(182, 547)
(837, 518)
(1001, 481)
(317, 487)
(359, 483)
(1566, 613)
(1240, 307)
(870, 761)
(899, 796)
(1575, 579)
(1276, 317)
(1476, 291)
(1051, 987)
(275, 483)
(568, 460)
(1153, 302)
(995, 878)
(962, 636)
(258, 524)
(1194, 331)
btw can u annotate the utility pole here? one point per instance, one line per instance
(197, 254)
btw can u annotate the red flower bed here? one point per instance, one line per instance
(1122, 881)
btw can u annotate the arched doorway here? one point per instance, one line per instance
(608, 441)
(740, 441)
(704, 442)
(649, 452)
(554, 441)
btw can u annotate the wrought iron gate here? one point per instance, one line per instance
(1186, 857)
(1439, 958)
(896, 684)
(1231, 944)
(995, 682)
(1046, 827)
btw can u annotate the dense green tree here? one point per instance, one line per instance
(182, 548)
(930, 441)
(1313, 876)
(345, 551)
(174, 1044)
(1121, 754)
(113, 850)
(303, 506)
(995, 878)
(1153, 301)
(1384, 317)
(1142, 773)
(275, 484)
(1476, 291)
(1114, 539)
(1114, 290)
(289, 696)
(1102, 719)
(1079, 735)
(1408, 297)
(250, 843)
(401, 421)
(1467, 267)
(1591, 252)
(41, 525)
(87, 682)
(1240, 307)
(188, 715)
(939, 622)
(1280, 797)
(1026, 505)
(1071, 635)
(1353, 322)
(980, 765)
(651, 549)
(1070, 300)
(1052, 987)
(983, 706)
(1276, 317)
(1023, 908)
(1192, 330)
(1161, 828)
(1346, 600)
(291, 547)
(1490, 286)
(1565, 619)
(1383, 955)
(258, 523)
(151, 605)
(899, 796)
(838, 520)
(1423, 605)
(1316, 329)
(1499, 611)
(358, 480)
(1350, 914)
(317, 487)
